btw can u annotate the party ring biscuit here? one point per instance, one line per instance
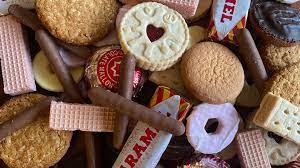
(161, 52)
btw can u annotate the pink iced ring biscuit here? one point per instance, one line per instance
(121, 14)
(16, 65)
(210, 143)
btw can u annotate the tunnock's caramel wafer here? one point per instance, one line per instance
(16, 67)
(251, 150)
(84, 117)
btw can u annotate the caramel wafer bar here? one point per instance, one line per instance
(251, 150)
(84, 117)
(16, 65)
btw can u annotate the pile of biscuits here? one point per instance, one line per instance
(161, 83)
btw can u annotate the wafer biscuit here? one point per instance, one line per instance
(279, 116)
(16, 67)
(251, 150)
(66, 116)
(186, 8)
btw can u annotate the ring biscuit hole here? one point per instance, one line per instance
(211, 125)
(286, 111)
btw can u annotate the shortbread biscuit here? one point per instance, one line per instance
(279, 116)
(35, 145)
(154, 54)
(212, 73)
(276, 58)
(197, 34)
(78, 22)
(286, 84)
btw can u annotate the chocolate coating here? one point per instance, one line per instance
(277, 20)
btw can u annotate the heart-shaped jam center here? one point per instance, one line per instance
(154, 33)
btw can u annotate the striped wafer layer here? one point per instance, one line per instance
(84, 117)
(252, 152)
(16, 65)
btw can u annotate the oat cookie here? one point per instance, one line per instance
(154, 54)
(286, 84)
(35, 145)
(78, 22)
(276, 58)
(212, 73)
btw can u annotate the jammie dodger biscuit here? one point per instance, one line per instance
(35, 145)
(212, 73)
(78, 22)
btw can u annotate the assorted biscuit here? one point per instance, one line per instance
(166, 83)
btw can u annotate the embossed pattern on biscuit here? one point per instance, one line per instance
(159, 54)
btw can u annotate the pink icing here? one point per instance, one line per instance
(210, 143)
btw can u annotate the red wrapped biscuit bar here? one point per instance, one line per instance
(228, 16)
(162, 93)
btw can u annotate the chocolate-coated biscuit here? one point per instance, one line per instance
(275, 22)
(276, 58)
(212, 73)
(78, 22)
(35, 145)
(286, 84)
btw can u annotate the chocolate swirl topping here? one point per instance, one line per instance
(277, 19)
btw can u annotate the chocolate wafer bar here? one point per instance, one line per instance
(66, 116)
(16, 66)
(251, 150)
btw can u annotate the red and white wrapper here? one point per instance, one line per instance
(227, 17)
(146, 144)
(4, 5)
(103, 69)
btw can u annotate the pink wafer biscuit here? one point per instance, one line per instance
(186, 8)
(251, 150)
(66, 116)
(16, 66)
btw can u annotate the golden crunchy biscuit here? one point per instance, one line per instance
(35, 145)
(159, 53)
(212, 73)
(286, 84)
(276, 58)
(78, 22)
(279, 116)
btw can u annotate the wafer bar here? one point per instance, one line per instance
(84, 117)
(251, 150)
(4, 5)
(16, 65)
(125, 90)
(186, 8)
(252, 58)
(100, 96)
(26, 117)
(48, 46)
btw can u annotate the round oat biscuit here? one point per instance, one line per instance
(35, 145)
(79, 22)
(286, 84)
(154, 34)
(212, 73)
(276, 58)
